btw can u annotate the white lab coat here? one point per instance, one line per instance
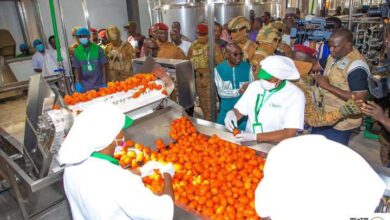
(284, 109)
(37, 60)
(50, 62)
(97, 189)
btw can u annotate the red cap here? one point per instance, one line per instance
(202, 28)
(304, 49)
(161, 27)
(93, 30)
(102, 33)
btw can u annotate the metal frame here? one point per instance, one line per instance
(32, 195)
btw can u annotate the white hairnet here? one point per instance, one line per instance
(311, 177)
(93, 130)
(280, 67)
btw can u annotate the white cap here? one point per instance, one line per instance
(311, 177)
(93, 130)
(280, 67)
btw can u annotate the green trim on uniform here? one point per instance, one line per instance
(264, 75)
(105, 157)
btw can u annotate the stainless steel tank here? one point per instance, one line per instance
(188, 14)
(273, 7)
(224, 11)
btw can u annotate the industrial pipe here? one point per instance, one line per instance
(350, 15)
(211, 61)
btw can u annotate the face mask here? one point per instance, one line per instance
(267, 85)
(119, 143)
(40, 48)
(84, 40)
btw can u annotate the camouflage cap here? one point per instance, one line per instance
(238, 23)
(267, 36)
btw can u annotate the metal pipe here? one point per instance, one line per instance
(22, 22)
(39, 20)
(211, 61)
(58, 48)
(65, 38)
(86, 13)
(350, 15)
(150, 13)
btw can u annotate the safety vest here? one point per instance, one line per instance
(337, 72)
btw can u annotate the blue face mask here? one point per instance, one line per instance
(84, 40)
(40, 47)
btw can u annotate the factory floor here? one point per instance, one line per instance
(12, 120)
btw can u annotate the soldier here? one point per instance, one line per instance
(120, 55)
(76, 41)
(198, 54)
(266, 46)
(167, 49)
(282, 49)
(238, 28)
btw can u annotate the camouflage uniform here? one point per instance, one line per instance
(119, 61)
(247, 46)
(198, 54)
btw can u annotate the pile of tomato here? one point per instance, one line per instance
(214, 178)
(142, 82)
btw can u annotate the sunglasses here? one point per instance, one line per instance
(237, 54)
(153, 48)
(236, 30)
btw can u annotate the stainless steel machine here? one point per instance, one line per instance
(180, 71)
(33, 171)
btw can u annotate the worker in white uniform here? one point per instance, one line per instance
(96, 187)
(311, 177)
(50, 65)
(37, 58)
(274, 106)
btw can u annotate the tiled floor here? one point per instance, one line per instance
(12, 119)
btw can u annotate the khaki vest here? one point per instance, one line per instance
(199, 57)
(338, 77)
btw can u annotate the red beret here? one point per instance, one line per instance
(161, 27)
(93, 30)
(202, 28)
(304, 49)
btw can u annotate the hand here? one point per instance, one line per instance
(231, 120)
(104, 85)
(374, 110)
(168, 168)
(316, 67)
(322, 81)
(79, 87)
(149, 167)
(350, 108)
(243, 88)
(244, 137)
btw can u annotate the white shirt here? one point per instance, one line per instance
(97, 189)
(50, 62)
(37, 60)
(184, 46)
(225, 88)
(283, 109)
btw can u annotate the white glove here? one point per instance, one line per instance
(148, 168)
(230, 120)
(168, 168)
(244, 137)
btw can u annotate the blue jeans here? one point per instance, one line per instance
(341, 137)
